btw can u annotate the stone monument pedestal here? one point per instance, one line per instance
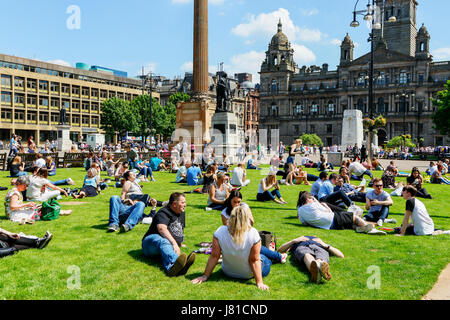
(224, 135)
(352, 129)
(64, 142)
(335, 158)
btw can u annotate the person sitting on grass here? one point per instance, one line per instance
(317, 214)
(157, 163)
(17, 168)
(297, 177)
(251, 163)
(144, 170)
(239, 176)
(421, 222)
(50, 165)
(357, 171)
(378, 202)
(316, 185)
(343, 173)
(376, 165)
(126, 213)
(218, 193)
(10, 242)
(90, 185)
(314, 253)
(40, 189)
(166, 235)
(437, 177)
(240, 246)
(118, 175)
(194, 175)
(225, 165)
(416, 180)
(323, 165)
(132, 156)
(181, 176)
(15, 209)
(356, 194)
(234, 200)
(111, 165)
(264, 187)
(328, 195)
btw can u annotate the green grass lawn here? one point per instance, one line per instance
(112, 265)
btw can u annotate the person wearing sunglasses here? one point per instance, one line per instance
(378, 202)
(416, 180)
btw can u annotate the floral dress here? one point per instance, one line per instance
(28, 214)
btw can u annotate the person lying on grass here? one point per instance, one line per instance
(240, 246)
(325, 216)
(422, 224)
(314, 253)
(166, 235)
(10, 242)
(234, 201)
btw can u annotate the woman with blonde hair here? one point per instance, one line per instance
(240, 246)
(17, 168)
(51, 167)
(264, 187)
(90, 185)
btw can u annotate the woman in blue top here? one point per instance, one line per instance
(90, 185)
(51, 167)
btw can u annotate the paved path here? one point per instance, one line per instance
(441, 290)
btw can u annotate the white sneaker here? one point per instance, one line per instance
(365, 229)
(70, 181)
(147, 220)
(377, 232)
(390, 221)
(208, 209)
(380, 222)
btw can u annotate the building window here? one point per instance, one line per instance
(54, 118)
(6, 114)
(43, 85)
(6, 97)
(54, 87)
(43, 117)
(331, 107)
(274, 110)
(19, 82)
(76, 90)
(31, 116)
(298, 109)
(296, 129)
(43, 102)
(403, 77)
(55, 103)
(85, 106)
(85, 120)
(31, 84)
(6, 81)
(19, 99)
(314, 108)
(31, 100)
(76, 119)
(274, 86)
(329, 128)
(19, 115)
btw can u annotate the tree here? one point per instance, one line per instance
(118, 117)
(441, 120)
(400, 141)
(141, 108)
(311, 139)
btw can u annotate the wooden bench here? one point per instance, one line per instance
(74, 159)
(3, 161)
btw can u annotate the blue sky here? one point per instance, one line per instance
(157, 34)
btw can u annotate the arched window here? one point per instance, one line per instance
(422, 47)
(345, 54)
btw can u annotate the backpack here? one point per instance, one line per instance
(50, 210)
(268, 240)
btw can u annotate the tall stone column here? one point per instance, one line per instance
(200, 85)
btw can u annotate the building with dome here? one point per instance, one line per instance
(313, 99)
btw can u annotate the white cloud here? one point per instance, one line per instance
(60, 62)
(265, 25)
(247, 62)
(336, 42)
(303, 55)
(442, 53)
(187, 67)
(309, 12)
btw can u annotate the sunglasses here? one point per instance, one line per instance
(378, 185)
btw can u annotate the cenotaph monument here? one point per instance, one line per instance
(352, 129)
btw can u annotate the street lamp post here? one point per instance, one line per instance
(370, 16)
(148, 78)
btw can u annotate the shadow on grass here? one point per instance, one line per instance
(103, 226)
(139, 256)
(219, 276)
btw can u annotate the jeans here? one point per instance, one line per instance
(218, 207)
(122, 214)
(358, 197)
(154, 246)
(267, 196)
(50, 174)
(272, 255)
(265, 265)
(312, 177)
(376, 215)
(362, 176)
(21, 173)
(337, 196)
(146, 172)
(60, 182)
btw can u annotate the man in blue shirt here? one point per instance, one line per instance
(193, 174)
(327, 195)
(350, 190)
(155, 162)
(316, 185)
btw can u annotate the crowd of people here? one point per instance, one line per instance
(331, 204)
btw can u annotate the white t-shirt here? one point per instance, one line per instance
(423, 224)
(235, 258)
(34, 189)
(238, 177)
(357, 168)
(316, 215)
(40, 163)
(224, 211)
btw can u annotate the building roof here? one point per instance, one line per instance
(280, 38)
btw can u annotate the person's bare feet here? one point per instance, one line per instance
(315, 273)
(325, 270)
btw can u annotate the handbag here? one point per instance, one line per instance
(50, 210)
(268, 240)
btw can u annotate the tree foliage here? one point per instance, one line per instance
(399, 141)
(118, 117)
(311, 139)
(441, 119)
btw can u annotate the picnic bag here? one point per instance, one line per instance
(268, 240)
(50, 210)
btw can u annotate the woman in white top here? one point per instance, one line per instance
(15, 209)
(218, 193)
(422, 224)
(38, 190)
(265, 185)
(240, 246)
(239, 176)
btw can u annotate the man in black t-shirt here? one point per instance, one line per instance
(165, 235)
